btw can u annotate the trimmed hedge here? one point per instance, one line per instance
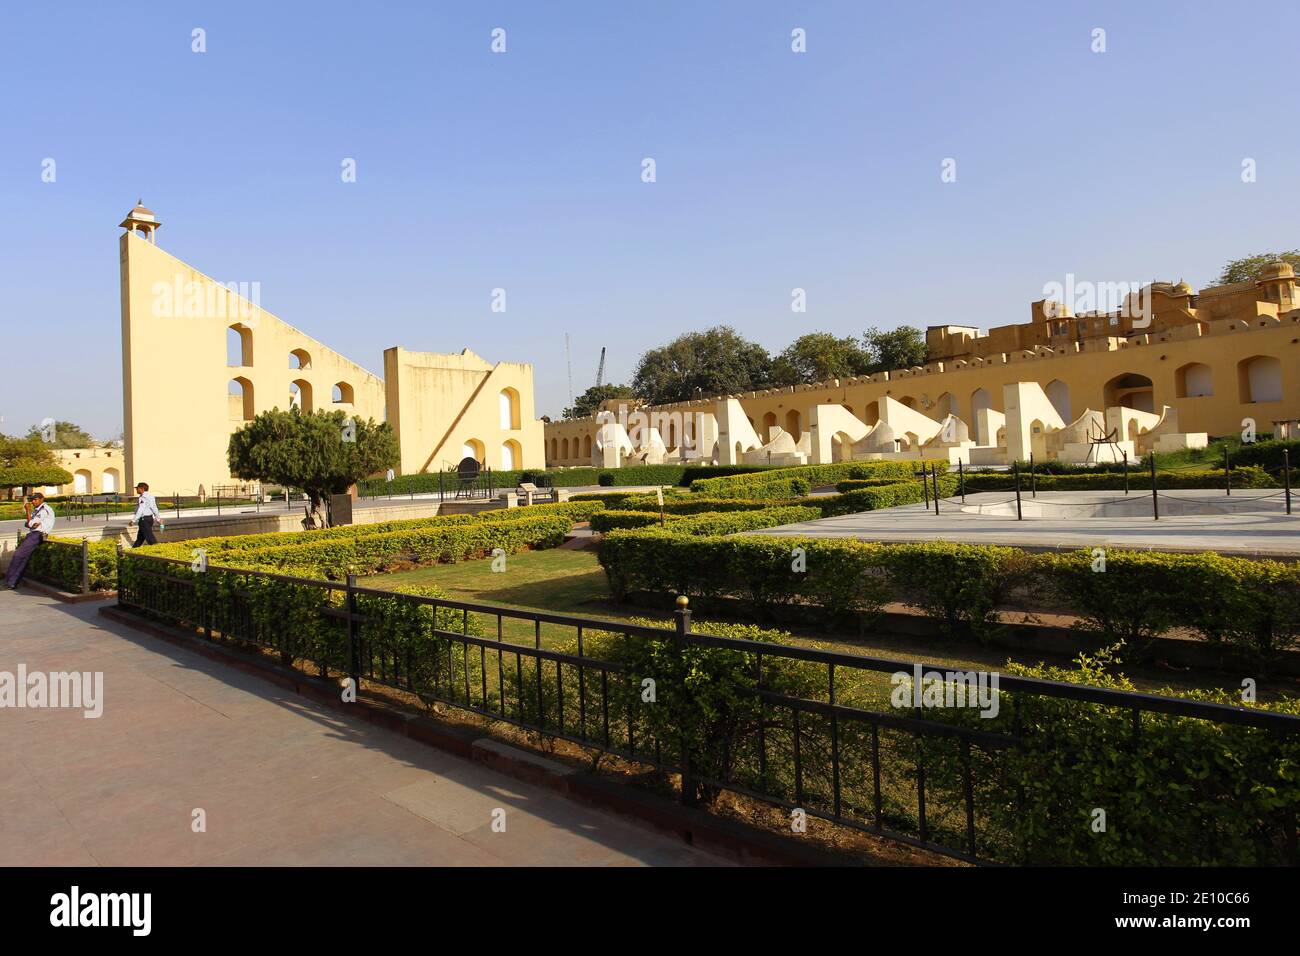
(1268, 454)
(754, 486)
(681, 475)
(58, 561)
(1251, 606)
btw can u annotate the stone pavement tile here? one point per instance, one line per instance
(282, 780)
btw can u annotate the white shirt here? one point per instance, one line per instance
(146, 507)
(42, 519)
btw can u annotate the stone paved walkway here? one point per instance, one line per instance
(282, 780)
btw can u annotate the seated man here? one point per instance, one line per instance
(39, 525)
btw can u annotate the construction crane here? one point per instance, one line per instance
(600, 371)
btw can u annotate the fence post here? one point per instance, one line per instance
(961, 481)
(1033, 478)
(1125, 471)
(690, 795)
(925, 486)
(1015, 466)
(934, 476)
(85, 566)
(117, 570)
(1227, 472)
(176, 498)
(354, 652)
(1155, 495)
(1286, 476)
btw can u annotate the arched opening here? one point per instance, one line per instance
(341, 394)
(1130, 390)
(564, 450)
(1193, 380)
(871, 414)
(511, 456)
(508, 401)
(943, 407)
(473, 448)
(240, 399)
(112, 481)
(909, 401)
(1058, 393)
(841, 447)
(239, 346)
(980, 399)
(1259, 379)
(555, 449)
(792, 423)
(300, 394)
(299, 358)
(586, 447)
(81, 484)
(769, 422)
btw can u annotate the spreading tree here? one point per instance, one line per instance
(65, 435)
(323, 453)
(818, 356)
(590, 400)
(28, 463)
(1250, 267)
(902, 347)
(713, 362)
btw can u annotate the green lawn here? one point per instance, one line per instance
(572, 582)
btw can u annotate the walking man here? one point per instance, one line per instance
(39, 524)
(146, 513)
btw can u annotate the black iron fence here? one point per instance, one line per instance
(810, 730)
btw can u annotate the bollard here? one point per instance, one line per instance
(1227, 472)
(934, 476)
(1155, 495)
(961, 481)
(1286, 476)
(1126, 471)
(925, 488)
(1033, 478)
(1016, 467)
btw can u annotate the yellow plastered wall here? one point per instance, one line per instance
(440, 403)
(178, 413)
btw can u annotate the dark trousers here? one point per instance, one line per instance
(22, 555)
(145, 534)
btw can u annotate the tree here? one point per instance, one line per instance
(323, 453)
(818, 356)
(713, 362)
(66, 435)
(590, 400)
(29, 463)
(1250, 268)
(902, 347)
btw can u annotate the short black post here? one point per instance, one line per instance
(961, 481)
(441, 493)
(218, 502)
(85, 566)
(1286, 476)
(934, 476)
(1015, 466)
(690, 792)
(1227, 472)
(925, 487)
(176, 499)
(354, 652)
(1155, 495)
(1033, 478)
(1125, 471)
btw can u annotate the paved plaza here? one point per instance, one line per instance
(1245, 523)
(282, 781)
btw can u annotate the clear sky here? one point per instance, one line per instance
(523, 170)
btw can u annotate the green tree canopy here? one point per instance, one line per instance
(713, 362)
(1249, 268)
(818, 356)
(323, 453)
(902, 347)
(590, 400)
(66, 435)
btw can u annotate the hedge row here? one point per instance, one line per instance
(1268, 454)
(58, 561)
(679, 475)
(741, 486)
(1252, 606)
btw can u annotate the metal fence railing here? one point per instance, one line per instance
(808, 729)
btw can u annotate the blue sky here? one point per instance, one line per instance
(522, 170)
